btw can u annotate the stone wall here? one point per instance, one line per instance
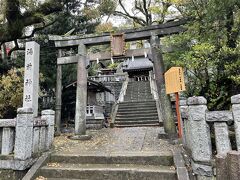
(196, 131)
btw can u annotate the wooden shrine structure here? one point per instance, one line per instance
(117, 40)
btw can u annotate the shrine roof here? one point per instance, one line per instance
(138, 63)
(92, 86)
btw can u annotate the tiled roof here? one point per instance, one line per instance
(137, 64)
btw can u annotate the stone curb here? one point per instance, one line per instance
(39, 163)
(182, 173)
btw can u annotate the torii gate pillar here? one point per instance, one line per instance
(81, 95)
(166, 110)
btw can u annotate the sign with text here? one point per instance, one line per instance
(174, 79)
(117, 45)
(31, 76)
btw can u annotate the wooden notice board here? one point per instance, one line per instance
(174, 79)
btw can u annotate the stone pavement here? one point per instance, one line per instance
(136, 139)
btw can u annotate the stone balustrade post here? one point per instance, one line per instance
(24, 133)
(7, 140)
(49, 115)
(36, 134)
(219, 120)
(200, 136)
(185, 125)
(235, 100)
(42, 139)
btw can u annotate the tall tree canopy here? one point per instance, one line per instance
(16, 15)
(210, 50)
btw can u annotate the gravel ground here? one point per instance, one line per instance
(110, 140)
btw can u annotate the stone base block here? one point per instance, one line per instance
(80, 137)
(16, 164)
(202, 169)
(199, 177)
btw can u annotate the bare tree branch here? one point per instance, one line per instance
(128, 15)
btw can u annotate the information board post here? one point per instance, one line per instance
(174, 79)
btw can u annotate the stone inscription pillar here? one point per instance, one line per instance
(31, 77)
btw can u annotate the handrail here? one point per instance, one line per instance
(120, 99)
(7, 123)
(154, 92)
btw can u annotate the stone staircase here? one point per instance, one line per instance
(139, 107)
(114, 166)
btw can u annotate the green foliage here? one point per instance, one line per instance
(113, 65)
(209, 51)
(11, 92)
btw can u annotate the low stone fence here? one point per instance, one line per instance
(24, 138)
(196, 128)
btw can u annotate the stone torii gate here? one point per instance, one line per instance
(152, 33)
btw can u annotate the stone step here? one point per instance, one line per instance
(138, 95)
(141, 118)
(136, 125)
(63, 179)
(133, 105)
(139, 102)
(141, 87)
(142, 97)
(138, 98)
(142, 158)
(131, 109)
(137, 112)
(136, 122)
(138, 91)
(93, 121)
(139, 84)
(155, 114)
(109, 171)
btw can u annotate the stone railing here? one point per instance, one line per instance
(109, 78)
(120, 99)
(155, 95)
(95, 111)
(25, 137)
(197, 136)
(139, 78)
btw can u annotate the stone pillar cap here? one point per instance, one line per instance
(48, 112)
(235, 99)
(196, 100)
(25, 110)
